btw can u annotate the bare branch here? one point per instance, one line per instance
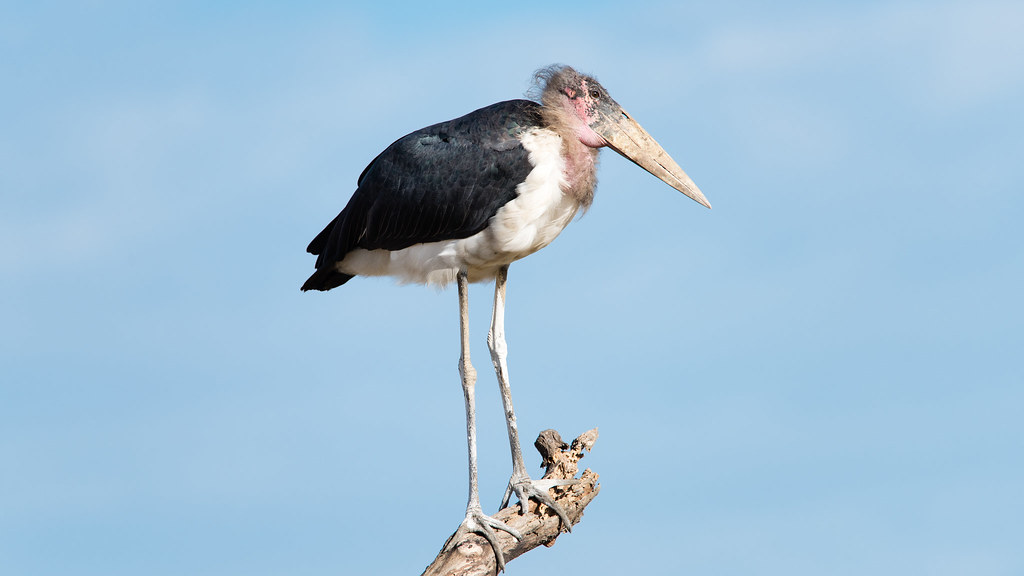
(471, 555)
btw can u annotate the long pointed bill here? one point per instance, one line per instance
(627, 137)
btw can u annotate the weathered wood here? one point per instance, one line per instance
(466, 554)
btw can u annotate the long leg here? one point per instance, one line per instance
(520, 483)
(476, 521)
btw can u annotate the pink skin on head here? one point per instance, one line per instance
(581, 109)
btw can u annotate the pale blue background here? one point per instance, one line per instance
(822, 375)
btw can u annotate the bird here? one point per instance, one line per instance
(461, 200)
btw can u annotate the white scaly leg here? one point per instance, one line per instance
(520, 482)
(476, 521)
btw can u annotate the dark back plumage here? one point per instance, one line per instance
(443, 182)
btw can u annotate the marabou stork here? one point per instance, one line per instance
(463, 199)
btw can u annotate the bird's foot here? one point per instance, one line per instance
(525, 488)
(479, 523)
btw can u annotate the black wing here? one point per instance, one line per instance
(443, 182)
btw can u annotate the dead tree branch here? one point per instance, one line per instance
(471, 555)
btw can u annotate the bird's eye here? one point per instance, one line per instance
(594, 94)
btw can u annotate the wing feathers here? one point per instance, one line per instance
(442, 182)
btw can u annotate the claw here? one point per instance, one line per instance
(479, 523)
(526, 488)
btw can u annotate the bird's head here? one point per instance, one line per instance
(585, 109)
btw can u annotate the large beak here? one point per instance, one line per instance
(627, 137)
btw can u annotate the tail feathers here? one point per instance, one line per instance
(326, 278)
(326, 246)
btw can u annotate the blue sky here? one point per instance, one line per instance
(821, 375)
